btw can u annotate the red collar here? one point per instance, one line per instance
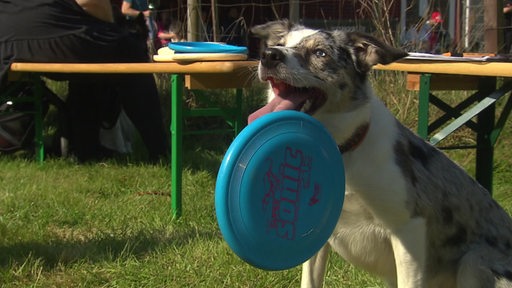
(356, 139)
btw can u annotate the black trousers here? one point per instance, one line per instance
(507, 40)
(79, 37)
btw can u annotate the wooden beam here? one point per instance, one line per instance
(294, 10)
(502, 69)
(501, 24)
(491, 15)
(193, 26)
(215, 21)
(211, 67)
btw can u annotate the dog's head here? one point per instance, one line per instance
(317, 71)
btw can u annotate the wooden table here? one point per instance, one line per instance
(424, 76)
(185, 75)
(429, 75)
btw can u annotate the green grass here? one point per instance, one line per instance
(109, 224)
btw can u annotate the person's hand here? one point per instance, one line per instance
(507, 8)
(146, 13)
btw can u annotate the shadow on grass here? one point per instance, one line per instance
(61, 252)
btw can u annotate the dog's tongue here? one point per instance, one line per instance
(284, 99)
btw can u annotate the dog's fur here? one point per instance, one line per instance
(411, 216)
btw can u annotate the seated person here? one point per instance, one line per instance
(165, 29)
(84, 31)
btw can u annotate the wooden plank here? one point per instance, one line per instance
(219, 81)
(444, 82)
(211, 67)
(497, 69)
(492, 13)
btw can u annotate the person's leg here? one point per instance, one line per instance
(84, 118)
(101, 42)
(139, 95)
(508, 41)
(141, 102)
(140, 99)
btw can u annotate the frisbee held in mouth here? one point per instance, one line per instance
(280, 190)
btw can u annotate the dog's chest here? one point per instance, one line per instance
(362, 240)
(373, 176)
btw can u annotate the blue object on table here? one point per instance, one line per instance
(206, 47)
(280, 190)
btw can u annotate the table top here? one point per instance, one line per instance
(205, 67)
(477, 68)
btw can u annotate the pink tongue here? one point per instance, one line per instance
(277, 104)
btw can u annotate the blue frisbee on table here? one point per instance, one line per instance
(280, 190)
(206, 47)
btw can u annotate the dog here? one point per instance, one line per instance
(411, 216)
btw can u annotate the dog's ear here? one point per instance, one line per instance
(272, 33)
(370, 51)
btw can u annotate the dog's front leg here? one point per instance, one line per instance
(409, 249)
(313, 270)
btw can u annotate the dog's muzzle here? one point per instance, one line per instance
(271, 57)
(287, 95)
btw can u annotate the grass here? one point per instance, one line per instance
(109, 225)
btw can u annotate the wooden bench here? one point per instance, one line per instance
(427, 76)
(186, 75)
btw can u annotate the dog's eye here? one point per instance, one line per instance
(319, 53)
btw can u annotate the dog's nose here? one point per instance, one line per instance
(271, 57)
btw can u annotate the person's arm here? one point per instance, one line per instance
(126, 9)
(167, 35)
(101, 9)
(507, 8)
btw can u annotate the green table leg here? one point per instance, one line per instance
(484, 146)
(176, 143)
(423, 108)
(38, 119)
(505, 114)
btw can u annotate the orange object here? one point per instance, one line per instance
(469, 54)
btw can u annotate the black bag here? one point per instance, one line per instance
(17, 115)
(16, 118)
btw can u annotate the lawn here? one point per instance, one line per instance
(109, 224)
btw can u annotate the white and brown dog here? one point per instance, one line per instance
(411, 216)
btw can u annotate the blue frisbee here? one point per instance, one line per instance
(206, 47)
(280, 190)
